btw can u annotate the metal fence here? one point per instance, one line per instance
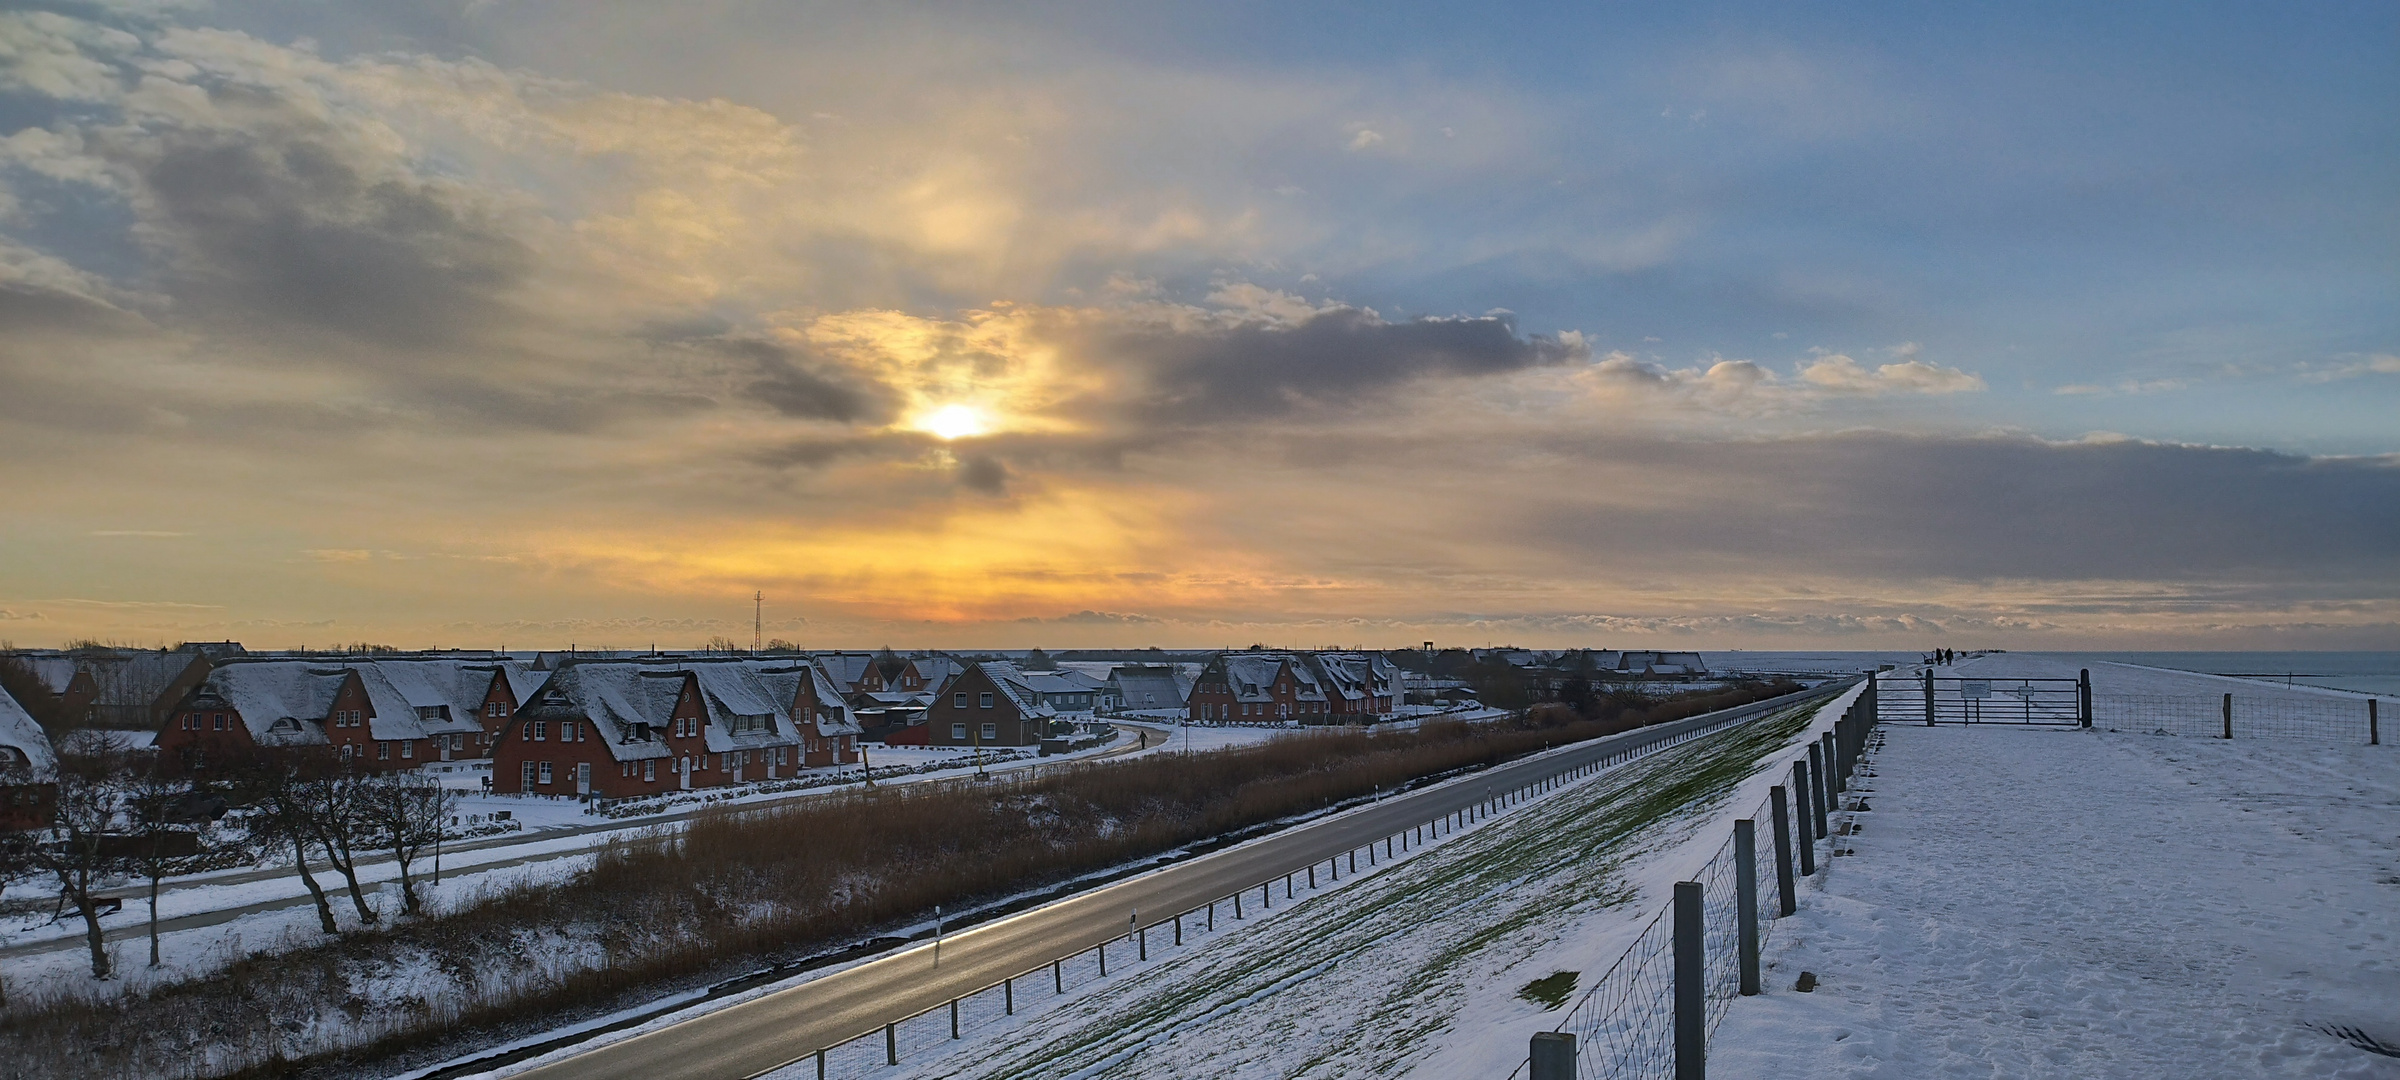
(2243, 716)
(1639, 1021)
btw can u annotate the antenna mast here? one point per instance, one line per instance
(758, 619)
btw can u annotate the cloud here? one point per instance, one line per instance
(1329, 358)
(984, 473)
(1745, 386)
(1089, 617)
(160, 534)
(2352, 367)
(1840, 374)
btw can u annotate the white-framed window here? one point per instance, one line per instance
(408, 748)
(526, 774)
(959, 700)
(958, 732)
(984, 701)
(545, 772)
(583, 774)
(348, 751)
(383, 751)
(541, 731)
(650, 769)
(991, 732)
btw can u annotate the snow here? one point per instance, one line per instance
(2028, 902)
(1322, 985)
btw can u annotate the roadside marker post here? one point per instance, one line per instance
(2229, 716)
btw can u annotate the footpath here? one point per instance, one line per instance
(2061, 903)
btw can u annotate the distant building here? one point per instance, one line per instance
(1302, 687)
(1661, 665)
(617, 729)
(1139, 687)
(384, 714)
(120, 688)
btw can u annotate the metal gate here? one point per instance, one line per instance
(1930, 699)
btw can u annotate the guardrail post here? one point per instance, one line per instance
(2083, 697)
(1691, 985)
(1801, 789)
(1745, 901)
(1553, 1056)
(1785, 902)
(2229, 716)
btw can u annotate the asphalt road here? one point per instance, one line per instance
(760, 1034)
(130, 923)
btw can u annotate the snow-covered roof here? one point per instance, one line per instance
(835, 717)
(937, 670)
(1152, 685)
(846, 668)
(629, 704)
(29, 747)
(1251, 676)
(281, 702)
(1021, 693)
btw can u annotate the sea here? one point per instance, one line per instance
(2360, 672)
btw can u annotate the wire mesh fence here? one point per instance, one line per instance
(1624, 1025)
(2243, 716)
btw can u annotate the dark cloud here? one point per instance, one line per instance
(1886, 506)
(29, 309)
(1338, 356)
(285, 221)
(983, 473)
(791, 384)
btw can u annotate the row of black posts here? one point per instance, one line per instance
(1817, 784)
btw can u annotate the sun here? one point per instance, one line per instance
(954, 422)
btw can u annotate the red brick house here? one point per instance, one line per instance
(989, 704)
(1257, 687)
(385, 714)
(620, 729)
(28, 769)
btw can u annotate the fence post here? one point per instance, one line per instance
(953, 1018)
(1785, 903)
(2374, 737)
(1835, 784)
(1820, 792)
(891, 1046)
(1008, 996)
(1691, 985)
(2229, 716)
(1058, 978)
(1745, 901)
(1928, 697)
(2083, 697)
(1553, 1055)
(1808, 837)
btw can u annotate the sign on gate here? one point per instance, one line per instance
(1975, 688)
(1948, 699)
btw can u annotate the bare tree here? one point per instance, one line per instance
(335, 814)
(276, 783)
(16, 864)
(167, 832)
(406, 814)
(80, 849)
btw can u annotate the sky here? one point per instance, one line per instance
(512, 323)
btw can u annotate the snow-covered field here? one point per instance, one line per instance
(1410, 970)
(2093, 903)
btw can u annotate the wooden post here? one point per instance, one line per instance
(1786, 901)
(891, 1046)
(953, 1018)
(1745, 901)
(1178, 929)
(2083, 697)
(1807, 834)
(1928, 697)
(1691, 985)
(1553, 1055)
(2229, 716)
(1818, 791)
(2374, 736)
(1102, 949)
(1008, 996)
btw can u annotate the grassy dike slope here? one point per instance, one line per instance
(1412, 970)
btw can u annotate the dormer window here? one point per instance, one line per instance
(436, 713)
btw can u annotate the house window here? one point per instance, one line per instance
(545, 772)
(991, 731)
(958, 732)
(528, 729)
(959, 700)
(650, 769)
(408, 748)
(527, 773)
(383, 751)
(583, 775)
(541, 730)
(985, 701)
(567, 731)
(348, 751)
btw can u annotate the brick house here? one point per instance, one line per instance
(1257, 687)
(28, 769)
(618, 729)
(118, 689)
(1357, 685)
(249, 703)
(989, 704)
